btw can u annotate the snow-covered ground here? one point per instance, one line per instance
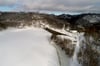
(27, 47)
(32, 47)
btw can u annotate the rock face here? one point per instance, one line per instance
(89, 43)
(85, 51)
(65, 44)
(89, 54)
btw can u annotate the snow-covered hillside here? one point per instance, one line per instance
(30, 46)
(27, 47)
(92, 18)
(33, 39)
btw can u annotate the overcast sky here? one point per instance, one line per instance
(65, 6)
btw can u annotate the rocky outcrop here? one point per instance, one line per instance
(89, 54)
(65, 44)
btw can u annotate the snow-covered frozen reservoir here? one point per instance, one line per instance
(26, 47)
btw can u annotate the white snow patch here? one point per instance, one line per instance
(26, 47)
(92, 18)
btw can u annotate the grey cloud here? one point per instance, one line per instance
(7, 2)
(54, 5)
